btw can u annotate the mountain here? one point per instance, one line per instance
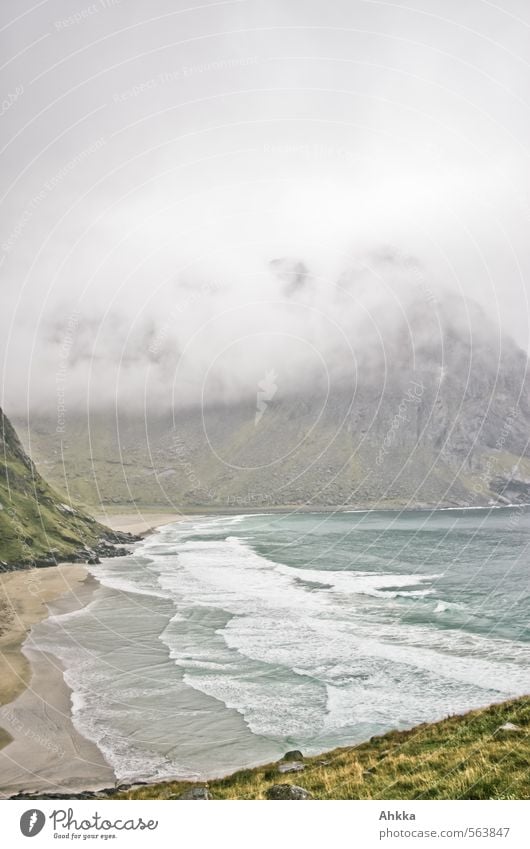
(37, 527)
(431, 409)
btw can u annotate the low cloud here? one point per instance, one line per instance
(311, 189)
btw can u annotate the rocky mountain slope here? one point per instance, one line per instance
(434, 411)
(36, 527)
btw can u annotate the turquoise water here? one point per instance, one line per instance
(224, 641)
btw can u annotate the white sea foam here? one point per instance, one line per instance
(121, 574)
(444, 606)
(197, 629)
(321, 635)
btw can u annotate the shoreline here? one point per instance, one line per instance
(245, 509)
(40, 748)
(25, 594)
(414, 763)
(44, 752)
(24, 598)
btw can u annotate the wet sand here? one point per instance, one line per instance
(24, 596)
(40, 749)
(44, 751)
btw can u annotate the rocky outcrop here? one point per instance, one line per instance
(287, 791)
(293, 755)
(195, 794)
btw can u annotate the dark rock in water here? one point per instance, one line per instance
(293, 755)
(94, 561)
(106, 549)
(287, 791)
(115, 537)
(291, 766)
(197, 793)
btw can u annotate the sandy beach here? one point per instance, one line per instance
(40, 749)
(24, 596)
(141, 522)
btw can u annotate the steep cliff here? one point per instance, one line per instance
(36, 527)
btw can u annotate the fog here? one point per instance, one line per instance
(195, 197)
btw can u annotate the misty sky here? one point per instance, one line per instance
(157, 157)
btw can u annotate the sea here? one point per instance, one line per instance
(224, 641)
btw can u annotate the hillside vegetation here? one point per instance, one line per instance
(36, 527)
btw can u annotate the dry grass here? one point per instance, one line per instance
(462, 757)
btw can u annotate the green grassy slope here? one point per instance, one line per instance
(35, 526)
(462, 757)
